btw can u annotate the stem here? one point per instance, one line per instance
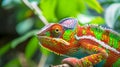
(61, 65)
(42, 61)
(22, 60)
(33, 6)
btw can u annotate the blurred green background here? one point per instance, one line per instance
(19, 46)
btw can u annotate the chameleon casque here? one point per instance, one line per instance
(68, 37)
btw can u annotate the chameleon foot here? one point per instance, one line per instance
(74, 62)
(71, 61)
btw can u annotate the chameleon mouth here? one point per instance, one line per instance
(54, 40)
(56, 45)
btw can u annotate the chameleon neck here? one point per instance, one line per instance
(69, 34)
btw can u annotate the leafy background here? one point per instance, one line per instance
(19, 46)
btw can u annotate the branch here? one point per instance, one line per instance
(23, 60)
(61, 65)
(42, 60)
(34, 7)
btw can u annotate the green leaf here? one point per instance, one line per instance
(24, 26)
(16, 41)
(38, 24)
(66, 8)
(23, 14)
(94, 4)
(48, 9)
(4, 49)
(85, 19)
(112, 13)
(13, 63)
(19, 40)
(97, 20)
(31, 47)
(81, 6)
(44, 50)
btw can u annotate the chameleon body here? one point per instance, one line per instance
(68, 37)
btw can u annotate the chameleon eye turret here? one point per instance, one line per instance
(56, 30)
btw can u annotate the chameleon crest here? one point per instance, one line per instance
(67, 37)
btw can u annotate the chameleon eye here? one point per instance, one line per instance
(56, 30)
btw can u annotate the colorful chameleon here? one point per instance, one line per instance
(68, 37)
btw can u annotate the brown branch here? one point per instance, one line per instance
(61, 65)
(64, 65)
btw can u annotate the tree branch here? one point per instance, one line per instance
(61, 65)
(34, 7)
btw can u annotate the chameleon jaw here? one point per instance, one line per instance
(57, 45)
(53, 40)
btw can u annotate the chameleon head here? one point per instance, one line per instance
(51, 37)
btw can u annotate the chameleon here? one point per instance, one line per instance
(68, 37)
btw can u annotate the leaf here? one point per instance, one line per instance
(94, 4)
(111, 14)
(31, 47)
(44, 50)
(85, 19)
(17, 41)
(38, 24)
(23, 14)
(8, 4)
(97, 20)
(66, 8)
(81, 6)
(4, 49)
(117, 25)
(48, 9)
(24, 26)
(13, 63)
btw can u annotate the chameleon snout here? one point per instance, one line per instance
(44, 29)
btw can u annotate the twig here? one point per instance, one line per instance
(33, 6)
(64, 65)
(23, 60)
(42, 61)
(61, 65)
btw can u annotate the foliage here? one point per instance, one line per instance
(112, 16)
(58, 9)
(16, 41)
(86, 11)
(13, 63)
